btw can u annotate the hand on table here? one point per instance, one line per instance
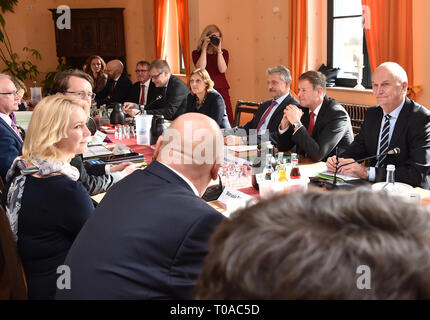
(233, 140)
(130, 108)
(121, 166)
(353, 169)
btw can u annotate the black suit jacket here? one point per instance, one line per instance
(149, 246)
(411, 134)
(274, 121)
(332, 129)
(213, 106)
(10, 147)
(119, 94)
(174, 101)
(94, 178)
(134, 95)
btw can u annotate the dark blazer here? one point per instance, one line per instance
(411, 134)
(274, 121)
(10, 147)
(94, 178)
(134, 94)
(174, 101)
(120, 92)
(332, 129)
(213, 106)
(151, 246)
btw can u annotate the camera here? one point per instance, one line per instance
(214, 40)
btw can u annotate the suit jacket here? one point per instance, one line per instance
(411, 134)
(94, 178)
(274, 121)
(174, 101)
(213, 106)
(120, 92)
(331, 129)
(134, 95)
(10, 147)
(150, 246)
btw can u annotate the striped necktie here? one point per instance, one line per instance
(265, 114)
(384, 142)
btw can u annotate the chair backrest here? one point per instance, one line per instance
(13, 285)
(244, 107)
(356, 112)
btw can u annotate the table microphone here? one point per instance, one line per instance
(392, 151)
(142, 107)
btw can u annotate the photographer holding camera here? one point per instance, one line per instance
(210, 56)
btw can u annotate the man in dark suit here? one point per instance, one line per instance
(396, 122)
(139, 90)
(152, 245)
(270, 112)
(117, 87)
(10, 140)
(319, 125)
(95, 178)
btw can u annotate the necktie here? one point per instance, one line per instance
(142, 94)
(113, 87)
(260, 123)
(311, 123)
(13, 124)
(384, 142)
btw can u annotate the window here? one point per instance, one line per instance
(346, 45)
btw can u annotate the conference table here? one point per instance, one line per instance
(245, 186)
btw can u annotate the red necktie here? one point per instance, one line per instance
(142, 94)
(260, 123)
(311, 123)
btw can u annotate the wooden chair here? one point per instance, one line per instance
(244, 107)
(356, 112)
(13, 285)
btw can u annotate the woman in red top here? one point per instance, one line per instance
(211, 57)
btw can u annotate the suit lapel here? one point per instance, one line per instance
(278, 114)
(401, 123)
(320, 117)
(374, 134)
(12, 132)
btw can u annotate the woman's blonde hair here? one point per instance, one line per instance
(205, 77)
(212, 28)
(48, 126)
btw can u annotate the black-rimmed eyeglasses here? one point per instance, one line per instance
(15, 93)
(157, 75)
(82, 95)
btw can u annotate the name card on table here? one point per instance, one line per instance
(233, 200)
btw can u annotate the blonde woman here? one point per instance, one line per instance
(95, 66)
(45, 203)
(210, 56)
(205, 99)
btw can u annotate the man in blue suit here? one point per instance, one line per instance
(10, 140)
(151, 245)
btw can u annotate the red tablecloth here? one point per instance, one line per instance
(148, 152)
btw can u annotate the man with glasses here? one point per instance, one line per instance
(10, 140)
(139, 90)
(172, 90)
(117, 87)
(95, 178)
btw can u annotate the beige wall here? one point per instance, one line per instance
(255, 33)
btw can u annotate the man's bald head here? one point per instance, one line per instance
(114, 68)
(193, 146)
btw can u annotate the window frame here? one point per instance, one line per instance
(346, 82)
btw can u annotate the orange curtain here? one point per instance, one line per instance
(388, 28)
(160, 23)
(184, 33)
(298, 40)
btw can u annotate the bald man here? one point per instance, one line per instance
(148, 238)
(396, 122)
(117, 87)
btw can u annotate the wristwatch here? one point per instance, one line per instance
(297, 124)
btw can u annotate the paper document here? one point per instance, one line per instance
(96, 151)
(328, 175)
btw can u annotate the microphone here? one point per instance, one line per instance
(140, 107)
(392, 151)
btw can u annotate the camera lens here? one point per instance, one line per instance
(214, 40)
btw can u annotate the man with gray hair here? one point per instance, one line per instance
(270, 112)
(10, 140)
(397, 122)
(117, 87)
